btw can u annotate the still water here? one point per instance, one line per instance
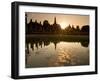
(52, 51)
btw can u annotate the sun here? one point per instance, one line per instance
(63, 25)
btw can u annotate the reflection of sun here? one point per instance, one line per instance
(63, 25)
(61, 59)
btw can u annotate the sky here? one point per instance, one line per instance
(63, 19)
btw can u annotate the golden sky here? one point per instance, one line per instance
(63, 19)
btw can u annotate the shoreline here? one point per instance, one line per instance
(43, 35)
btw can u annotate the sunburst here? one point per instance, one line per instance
(63, 25)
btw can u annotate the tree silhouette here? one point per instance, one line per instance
(85, 28)
(77, 28)
(46, 26)
(55, 28)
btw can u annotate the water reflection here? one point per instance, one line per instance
(61, 59)
(40, 41)
(85, 43)
(44, 51)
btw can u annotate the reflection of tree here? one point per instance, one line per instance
(46, 43)
(39, 42)
(85, 44)
(55, 28)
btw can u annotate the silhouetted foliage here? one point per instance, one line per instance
(55, 28)
(85, 28)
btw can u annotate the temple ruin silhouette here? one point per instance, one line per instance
(55, 28)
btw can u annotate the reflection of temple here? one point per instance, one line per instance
(55, 44)
(42, 41)
(38, 45)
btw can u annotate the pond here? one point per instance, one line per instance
(56, 51)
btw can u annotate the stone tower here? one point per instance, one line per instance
(55, 21)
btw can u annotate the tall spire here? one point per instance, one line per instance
(55, 20)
